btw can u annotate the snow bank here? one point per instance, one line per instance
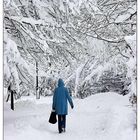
(106, 116)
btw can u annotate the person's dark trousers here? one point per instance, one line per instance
(61, 122)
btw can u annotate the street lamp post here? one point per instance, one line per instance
(37, 88)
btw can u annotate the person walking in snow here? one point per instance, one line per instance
(60, 105)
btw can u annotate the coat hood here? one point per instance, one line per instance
(60, 83)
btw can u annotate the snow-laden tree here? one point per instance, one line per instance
(17, 71)
(82, 41)
(110, 22)
(131, 68)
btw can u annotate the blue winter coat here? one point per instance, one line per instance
(60, 98)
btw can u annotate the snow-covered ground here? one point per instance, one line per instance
(106, 116)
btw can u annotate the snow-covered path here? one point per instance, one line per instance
(105, 116)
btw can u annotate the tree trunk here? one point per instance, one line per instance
(8, 98)
(37, 89)
(12, 100)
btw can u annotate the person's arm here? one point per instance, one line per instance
(69, 98)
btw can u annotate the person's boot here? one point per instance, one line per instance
(60, 130)
(63, 129)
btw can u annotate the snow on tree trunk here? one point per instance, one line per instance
(78, 71)
(131, 67)
(11, 57)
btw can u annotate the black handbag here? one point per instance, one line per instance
(52, 118)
